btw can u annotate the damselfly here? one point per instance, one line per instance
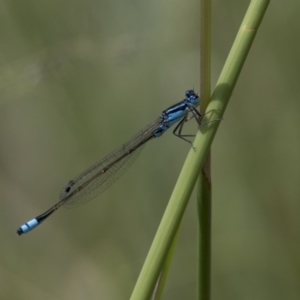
(104, 173)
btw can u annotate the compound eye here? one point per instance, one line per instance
(189, 93)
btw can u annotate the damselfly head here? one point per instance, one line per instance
(192, 96)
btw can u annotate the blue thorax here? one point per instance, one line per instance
(176, 112)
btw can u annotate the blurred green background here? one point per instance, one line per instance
(79, 78)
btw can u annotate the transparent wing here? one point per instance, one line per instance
(100, 176)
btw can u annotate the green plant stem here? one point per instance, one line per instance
(165, 270)
(196, 156)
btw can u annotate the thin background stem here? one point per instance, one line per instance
(204, 192)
